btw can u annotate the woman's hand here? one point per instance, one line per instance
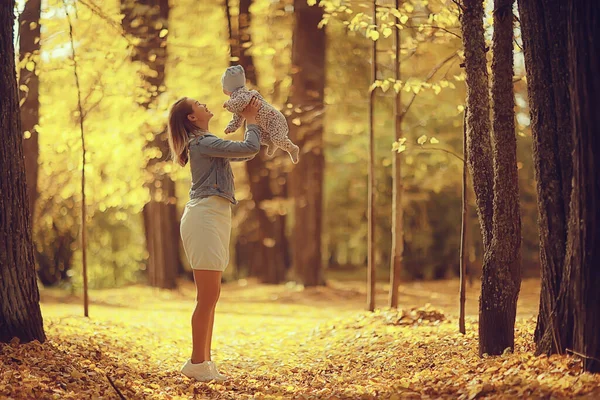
(251, 111)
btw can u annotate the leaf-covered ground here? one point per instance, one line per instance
(282, 342)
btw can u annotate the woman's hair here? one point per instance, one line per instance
(180, 128)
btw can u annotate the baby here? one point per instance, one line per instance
(273, 125)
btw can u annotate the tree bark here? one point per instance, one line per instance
(29, 50)
(479, 148)
(145, 19)
(272, 242)
(501, 278)
(544, 26)
(20, 314)
(584, 223)
(306, 130)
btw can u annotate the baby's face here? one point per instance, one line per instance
(227, 92)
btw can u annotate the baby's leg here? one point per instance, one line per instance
(265, 140)
(287, 145)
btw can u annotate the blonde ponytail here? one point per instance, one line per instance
(180, 128)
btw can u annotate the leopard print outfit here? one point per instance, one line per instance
(273, 125)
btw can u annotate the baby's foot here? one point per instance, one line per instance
(294, 153)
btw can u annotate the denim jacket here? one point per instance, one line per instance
(209, 162)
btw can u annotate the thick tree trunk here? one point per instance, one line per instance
(272, 243)
(479, 148)
(306, 130)
(20, 314)
(29, 51)
(584, 224)
(501, 279)
(544, 27)
(145, 20)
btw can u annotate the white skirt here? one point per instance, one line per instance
(205, 231)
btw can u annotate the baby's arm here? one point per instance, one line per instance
(235, 123)
(238, 102)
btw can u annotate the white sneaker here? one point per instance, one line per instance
(218, 376)
(201, 372)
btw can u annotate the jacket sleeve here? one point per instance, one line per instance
(215, 147)
(241, 159)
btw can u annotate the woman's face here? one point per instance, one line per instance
(200, 113)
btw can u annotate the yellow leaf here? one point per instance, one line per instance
(433, 141)
(422, 139)
(373, 35)
(163, 33)
(398, 86)
(416, 89)
(374, 85)
(404, 19)
(387, 32)
(296, 121)
(385, 85)
(30, 66)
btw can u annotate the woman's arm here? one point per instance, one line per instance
(213, 146)
(241, 159)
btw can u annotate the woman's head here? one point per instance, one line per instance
(186, 116)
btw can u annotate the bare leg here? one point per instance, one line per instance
(211, 324)
(208, 287)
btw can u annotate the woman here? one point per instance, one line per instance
(206, 220)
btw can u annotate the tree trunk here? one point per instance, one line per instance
(462, 291)
(306, 130)
(145, 20)
(544, 26)
(501, 279)
(272, 244)
(479, 148)
(397, 186)
(371, 269)
(29, 49)
(584, 223)
(20, 314)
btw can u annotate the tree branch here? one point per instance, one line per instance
(429, 77)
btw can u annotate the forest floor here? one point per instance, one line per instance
(283, 342)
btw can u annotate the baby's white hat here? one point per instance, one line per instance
(233, 78)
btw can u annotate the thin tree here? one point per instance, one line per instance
(147, 21)
(20, 314)
(544, 26)
(83, 164)
(306, 130)
(371, 271)
(397, 186)
(462, 292)
(29, 88)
